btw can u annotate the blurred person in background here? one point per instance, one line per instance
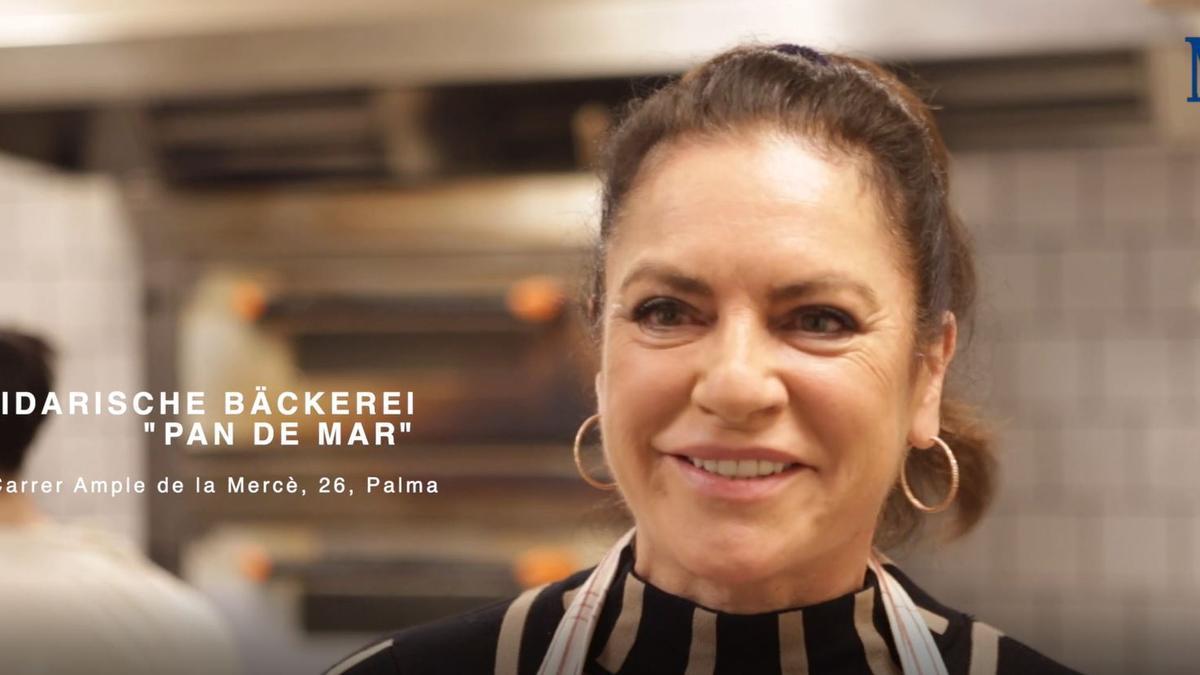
(779, 287)
(75, 600)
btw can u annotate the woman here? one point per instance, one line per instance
(777, 297)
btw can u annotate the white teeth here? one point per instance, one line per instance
(745, 468)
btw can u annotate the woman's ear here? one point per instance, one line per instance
(931, 378)
(599, 391)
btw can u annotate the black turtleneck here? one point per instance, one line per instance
(645, 630)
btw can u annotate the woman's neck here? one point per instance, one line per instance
(813, 581)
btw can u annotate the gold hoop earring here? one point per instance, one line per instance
(945, 503)
(579, 462)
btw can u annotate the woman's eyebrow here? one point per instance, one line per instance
(824, 283)
(668, 275)
(673, 277)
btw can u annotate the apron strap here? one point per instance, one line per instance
(914, 642)
(569, 646)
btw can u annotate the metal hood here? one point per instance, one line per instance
(86, 51)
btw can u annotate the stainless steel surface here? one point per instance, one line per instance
(86, 53)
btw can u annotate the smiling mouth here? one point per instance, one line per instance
(740, 469)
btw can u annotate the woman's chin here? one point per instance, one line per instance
(733, 560)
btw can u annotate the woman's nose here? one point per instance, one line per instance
(737, 381)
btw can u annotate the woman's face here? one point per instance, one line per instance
(758, 315)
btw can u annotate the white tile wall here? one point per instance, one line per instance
(1173, 281)
(1046, 189)
(1019, 469)
(1135, 187)
(1098, 645)
(1048, 373)
(1047, 552)
(68, 272)
(1010, 283)
(1090, 316)
(1134, 557)
(1185, 195)
(1139, 369)
(1093, 461)
(1172, 647)
(973, 185)
(1094, 279)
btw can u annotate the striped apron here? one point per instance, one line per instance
(568, 649)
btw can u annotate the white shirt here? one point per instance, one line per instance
(77, 601)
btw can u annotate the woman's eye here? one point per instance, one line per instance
(823, 321)
(661, 313)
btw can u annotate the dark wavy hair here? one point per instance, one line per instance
(24, 366)
(855, 107)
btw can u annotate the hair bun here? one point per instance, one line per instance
(808, 53)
